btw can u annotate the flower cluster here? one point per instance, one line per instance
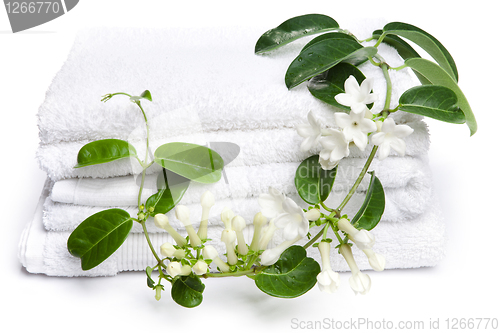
(355, 127)
(328, 280)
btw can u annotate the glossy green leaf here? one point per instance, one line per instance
(436, 102)
(191, 161)
(312, 182)
(291, 276)
(324, 55)
(427, 42)
(330, 35)
(187, 291)
(404, 49)
(104, 151)
(293, 29)
(99, 236)
(438, 76)
(373, 207)
(327, 85)
(171, 189)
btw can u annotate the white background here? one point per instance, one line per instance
(463, 285)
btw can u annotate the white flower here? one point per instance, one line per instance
(270, 256)
(228, 237)
(311, 132)
(200, 267)
(182, 214)
(175, 268)
(335, 147)
(293, 220)
(313, 214)
(328, 280)
(207, 202)
(355, 96)
(161, 221)
(377, 261)
(258, 223)
(167, 249)
(271, 205)
(390, 136)
(355, 127)
(209, 252)
(360, 282)
(362, 238)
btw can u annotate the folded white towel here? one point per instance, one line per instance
(415, 243)
(245, 181)
(256, 148)
(201, 80)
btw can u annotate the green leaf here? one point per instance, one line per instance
(187, 291)
(322, 56)
(104, 151)
(293, 29)
(99, 236)
(427, 42)
(191, 161)
(436, 75)
(373, 207)
(171, 189)
(150, 282)
(404, 49)
(436, 102)
(327, 85)
(291, 276)
(312, 182)
(146, 95)
(330, 35)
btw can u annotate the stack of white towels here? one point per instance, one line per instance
(208, 87)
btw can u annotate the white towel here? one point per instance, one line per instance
(245, 181)
(405, 245)
(201, 80)
(256, 148)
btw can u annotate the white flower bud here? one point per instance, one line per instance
(268, 235)
(271, 256)
(167, 249)
(258, 222)
(200, 267)
(161, 221)
(360, 282)
(209, 252)
(179, 254)
(175, 268)
(313, 214)
(362, 238)
(328, 280)
(238, 223)
(226, 216)
(182, 214)
(228, 237)
(207, 202)
(377, 261)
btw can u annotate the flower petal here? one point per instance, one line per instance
(388, 125)
(344, 99)
(398, 145)
(342, 119)
(305, 130)
(351, 86)
(378, 138)
(383, 150)
(402, 131)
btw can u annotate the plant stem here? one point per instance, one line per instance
(315, 238)
(385, 70)
(358, 181)
(143, 177)
(160, 262)
(238, 273)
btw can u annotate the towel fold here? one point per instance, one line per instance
(240, 182)
(410, 244)
(255, 148)
(214, 82)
